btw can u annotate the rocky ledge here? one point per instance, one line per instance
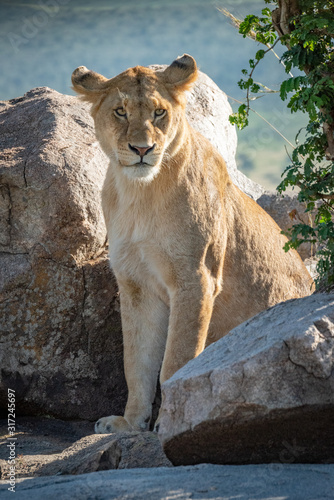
(263, 393)
(205, 481)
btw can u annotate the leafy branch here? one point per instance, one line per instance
(306, 29)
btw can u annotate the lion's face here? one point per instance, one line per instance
(135, 125)
(137, 113)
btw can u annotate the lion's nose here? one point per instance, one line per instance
(141, 151)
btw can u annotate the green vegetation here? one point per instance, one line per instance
(306, 30)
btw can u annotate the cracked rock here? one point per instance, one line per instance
(263, 393)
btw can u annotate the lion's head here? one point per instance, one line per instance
(137, 113)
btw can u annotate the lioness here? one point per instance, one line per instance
(192, 254)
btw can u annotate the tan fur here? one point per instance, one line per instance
(192, 254)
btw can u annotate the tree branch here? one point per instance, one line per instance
(282, 15)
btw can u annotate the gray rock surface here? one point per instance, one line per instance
(60, 333)
(263, 392)
(286, 212)
(252, 482)
(49, 447)
(129, 450)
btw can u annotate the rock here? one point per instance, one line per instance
(61, 341)
(129, 450)
(46, 447)
(263, 393)
(205, 481)
(286, 212)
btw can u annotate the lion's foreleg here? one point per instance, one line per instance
(190, 315)
(145, 324)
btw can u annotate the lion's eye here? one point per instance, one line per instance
(159, 112)
(120, 112)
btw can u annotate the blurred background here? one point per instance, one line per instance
(43, 41)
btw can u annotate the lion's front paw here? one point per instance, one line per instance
(108, 425)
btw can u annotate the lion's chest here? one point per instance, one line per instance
(139, 255)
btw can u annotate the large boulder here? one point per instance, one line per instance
(263, 393)
(60, 332)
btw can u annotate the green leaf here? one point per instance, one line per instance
(255, 88)
(259, 55)
(240, 119)
(308, 167)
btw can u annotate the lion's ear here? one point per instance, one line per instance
(182, 73)
(88, 83)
